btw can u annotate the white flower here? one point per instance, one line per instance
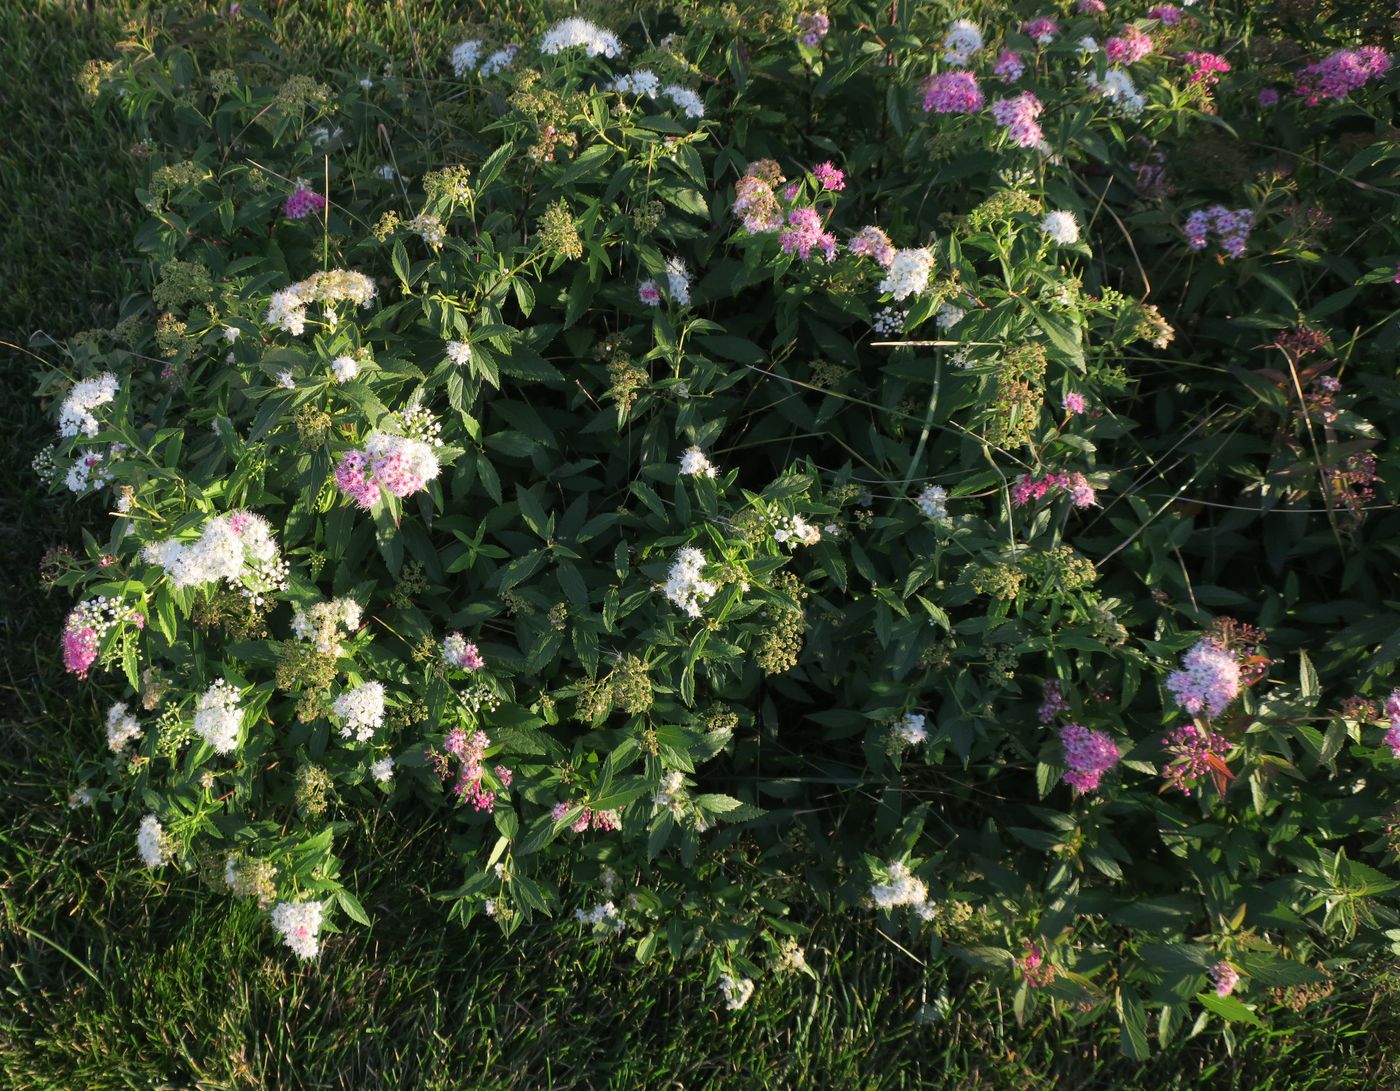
(678, 281)
(571, 32)
(75, 415)
(121, 728)
(933, 502)
(948, 316)
(684, 585)
(401, 464)
(90, 470)
(287, 311)
(908, 273)
(152, 843)
(796, 530)
(382, 770)
(360, 711)
(344, 368)
(910, 729)
(1118, 89)
(466, 56)
(459, 352)
(1088, 45)
(736, 992)
(237, 548)
(604, 917)
(326, 623)
(366, 83)
(685, 98)
(694, 462)
(287, 308)
(962, 41)
(640, 82)
(502, 58)
(299, 923)
(901, 889)
(80, 797)
(217, 717)
(385, 171)
(285, 380)
(231, 333)
(1062, 227)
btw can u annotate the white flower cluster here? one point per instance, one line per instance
(933, 502)
(640, 82)
(908, 273)
(910, 729)
(948, 316)
(736, 991)
(603, 917)
(237, 547)
(325, 623)
(80, 797)
(466, 56)
(360, 711)
(901, 889)
(792, 959)
(75, 415)
(501, 59)
(459, 352)
(299, 924)
(889, 321)
(1062, 227)
(287, 308)
(1118, 89)
(962, 41)
(678, 281)
(382, 770)
(695, 464)
(91, 469)
(121, 728)
(794, 530)
(573, 32)
(217, 717)
(689, 102)
(345, 368)
(671, 796)
(684, 585)
(152, 843)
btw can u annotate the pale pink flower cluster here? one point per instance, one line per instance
(1392, 711)
(1052, 701)
(1224, 977)
(871, 242)
(1089, 755)
(1042, 30)
(804, 233)
(303, 201)
(1018, 117)
(458, 652)
(1128, 47)
(1029, 488)
(1166, 14)
(1342, 73)
(812, 27)
(754, 199)
(399, 465)
(1009, 67)
(86, 625)
(1209, 679)
(952, 93)
(607, 821)
(470, 750)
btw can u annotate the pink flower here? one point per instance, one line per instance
(952, 93)
(1008, 68)
(1224, 977)
(1209, 679)
(354, 482)
(1091, 7)
(804, 233)
(1074, 403)
(1268, 97)
(1042, 30)
(1089, 755)
(830, 176)
(1017, 115)
(1052, 701)
(302, 202)
(649, 292)
(1166, 14)
(789, 191)
(871, 242)
(1206, 67)
(1232, 228)
(1341, 73)
(1130, 46)
(812, 28)
(1037, 972)
(79, 650)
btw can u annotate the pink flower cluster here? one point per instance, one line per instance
(461, 653)
(1230, 228)
(1224, 977)
(952, 93)
(1166, 14)
(1042, 30)
(1052, 701)
(1074, 403)
(830, 176)
(399, 465)
(86, 625)
(812, 28)
(1091, 7)
(754, 199)
(1392, 711)
(1089, 755)
(1209, 679)
(804, 233)
(1028, 488)
(1009, 67)
(1037, 972)
(1017, 116)
(1205, 68)
(302, 202)
(607, 821)
(871, 242)
(1194, 754)
(470, 750)
(1340, 74)
(1128, 47)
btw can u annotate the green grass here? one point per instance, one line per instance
(113, 979)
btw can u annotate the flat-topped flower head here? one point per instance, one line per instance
(75, 415)
(299, 925)
(685, 584)
(1089, 755)
(303, 201)
(871, 242)
(152, 842)
(576, 33)
(360, 711)
(961, 42)
(237, 548)
(460, 653)
(908, 273)
(218, 718)
(1208, 681)
(952, 93)
(933, 502)
(1018, 117)
(695, 464)
(466, 56)
(1061, 227)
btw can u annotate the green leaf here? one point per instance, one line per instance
(1227, 1007)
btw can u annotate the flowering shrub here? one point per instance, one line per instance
(560, 464)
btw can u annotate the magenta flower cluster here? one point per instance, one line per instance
(1052, 701)
(1091, 7)
(1089, 755)
(1206, 68)
(1392, 711)
(1037, 972)
(1209, 679)
(1129, 46)
(871, 242)
(302, 202)
(1224, 977)
(1231, 228)
(1194, 754)
(829, 176)
(1166, 14)
(1009, 67)
(952, 93)
(470, 751)
(86, 625)
(1042, 30)
(812, 28)
(607, 821)
(804, 233)
(1342, 73)
(1017, 116)
(1029, 488)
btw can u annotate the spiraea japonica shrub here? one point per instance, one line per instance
(727, 463)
